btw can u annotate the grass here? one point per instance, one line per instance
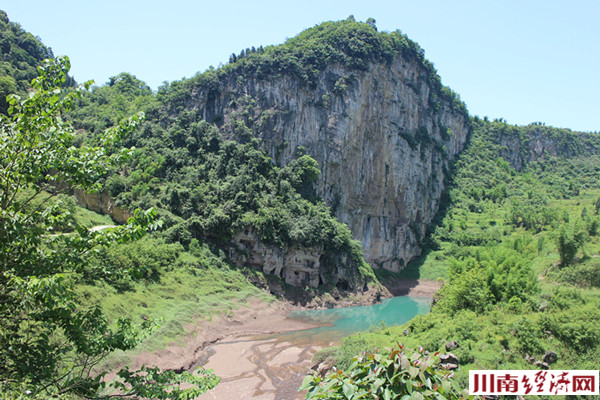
(193, 286)
(89, 218)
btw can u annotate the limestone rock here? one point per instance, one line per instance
(297, 266)
(529, 359)
(541, 365)
(322, 369)
(102, 203)
(384, 145)
(520, 152)
(451, 345)
(448, 358)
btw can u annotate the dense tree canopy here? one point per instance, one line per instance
(49, 341)
(20, 54)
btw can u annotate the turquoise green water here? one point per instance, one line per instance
(342, 322)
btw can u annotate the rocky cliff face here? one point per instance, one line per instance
(524, 145)
(297, 266)
(382, 140)
(102, 203)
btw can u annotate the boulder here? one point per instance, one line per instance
(448, 358)
(550, 357)
(322, 369)
(541, 365)
(529, 359)
(451, 345)
(450, 366)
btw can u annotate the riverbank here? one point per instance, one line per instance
(251, 319)
(251, 364)
(413, 287)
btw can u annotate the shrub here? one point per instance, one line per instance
(401, 372)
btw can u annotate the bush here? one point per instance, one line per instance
(569, 241)
(391, 375)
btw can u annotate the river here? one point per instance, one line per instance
(272, 367)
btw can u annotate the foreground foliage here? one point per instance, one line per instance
(401, 373)
(49, 341)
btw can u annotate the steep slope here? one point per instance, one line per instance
(521, 146)
(366, 105)
(519, 250)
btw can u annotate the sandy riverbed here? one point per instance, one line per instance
(252, 366)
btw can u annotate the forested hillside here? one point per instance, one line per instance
(518, 248)
(209, 188)
(21, 53)
(227, 159)
(366, 105)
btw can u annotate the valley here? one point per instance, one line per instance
(218, 237)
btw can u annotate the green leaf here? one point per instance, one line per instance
(308, 382)
(348, 390)
(405, 363)
(416, 396)
(446, 386)
(413, 372)
(387, 394)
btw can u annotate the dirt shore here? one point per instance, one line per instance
(252, 319)
(252, 366)
(414, 287)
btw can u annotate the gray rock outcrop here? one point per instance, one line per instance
(102, 203)
(384, 144)
(297, 266)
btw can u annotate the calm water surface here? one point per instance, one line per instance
(342, 322)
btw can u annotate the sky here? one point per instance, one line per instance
(521, 60)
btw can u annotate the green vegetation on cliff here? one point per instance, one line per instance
(209, 188)
(348, 43)
(517, 242)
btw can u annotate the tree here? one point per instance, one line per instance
(372, 23)
(569, 242)
(49, 341)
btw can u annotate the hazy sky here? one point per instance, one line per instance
(520, 60)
